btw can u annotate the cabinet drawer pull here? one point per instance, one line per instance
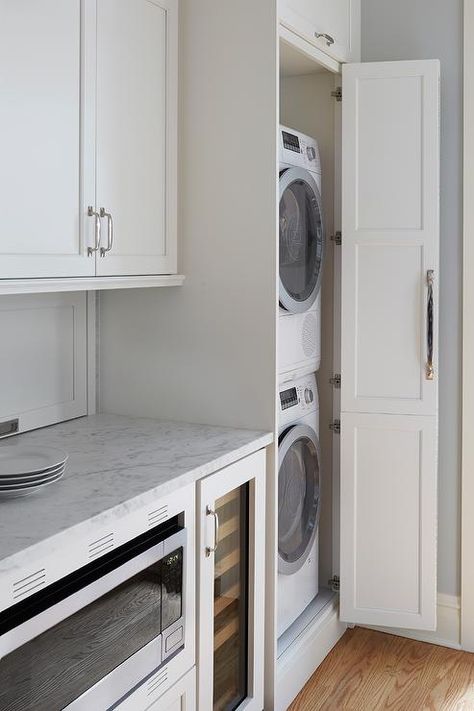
(429, 325)
(110, 232)
(210, 512)
(92, 213)
(323, 35)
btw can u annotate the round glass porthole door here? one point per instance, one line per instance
(298, 496)
(301, 240)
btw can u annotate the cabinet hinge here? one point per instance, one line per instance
(337, 238)
(334, 583)
(337, 93)
(335, 426)
(335, 381)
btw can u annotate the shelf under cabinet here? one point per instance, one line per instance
(44, 285)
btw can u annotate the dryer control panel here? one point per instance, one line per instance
(297, 398)
(296, 149)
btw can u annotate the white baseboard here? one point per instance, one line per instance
(448, 631)
(299, 662)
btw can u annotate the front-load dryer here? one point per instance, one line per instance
(298, 499)
(301, 250)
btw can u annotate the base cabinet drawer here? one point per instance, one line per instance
(181, 696)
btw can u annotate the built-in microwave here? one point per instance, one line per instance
(91, 638)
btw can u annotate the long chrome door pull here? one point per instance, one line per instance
(110, 232)
(210, 512)
(92, 213)
(329, 40)
(429, 325)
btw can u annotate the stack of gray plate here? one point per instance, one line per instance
(26, 469)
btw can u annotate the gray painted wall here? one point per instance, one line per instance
(428, 29)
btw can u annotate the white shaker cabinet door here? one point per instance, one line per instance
(136, 135)
(389, 394)
(331, 25)
(45, 186)
(390, 228)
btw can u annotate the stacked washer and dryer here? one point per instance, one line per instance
(302, 244)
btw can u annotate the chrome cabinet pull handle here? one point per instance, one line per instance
(429, 325)
(329, 40)
(210, 512)
(92, 213)
(110, 232)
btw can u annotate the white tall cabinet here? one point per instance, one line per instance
(88, 138)
(389, 394)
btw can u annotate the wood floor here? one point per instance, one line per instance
(371, 671)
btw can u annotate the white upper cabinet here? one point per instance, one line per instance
(88, 120)
(331, 25)
(136, 135)
(43, 177)
(389, 393)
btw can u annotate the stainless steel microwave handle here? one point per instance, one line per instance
(429, 325)
(210, 512)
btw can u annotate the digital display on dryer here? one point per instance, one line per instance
(291, 142)
(288, 398)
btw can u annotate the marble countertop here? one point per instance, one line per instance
(114, 463)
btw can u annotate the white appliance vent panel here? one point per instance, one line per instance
(101, 546)
(157, 516)
(156, 681)
(25, 586)
(309, 339)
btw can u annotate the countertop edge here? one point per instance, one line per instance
(45, 547)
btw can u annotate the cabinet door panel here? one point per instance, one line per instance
(340, 19)
(135, 129)
(388, 520)
(231, 586)
(42, 178)
(390, 235)
(389, 401)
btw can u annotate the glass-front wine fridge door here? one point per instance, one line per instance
(231, 587)
(230, 600)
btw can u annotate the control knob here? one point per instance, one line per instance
(308, 396)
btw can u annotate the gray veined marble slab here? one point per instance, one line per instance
(116, 464)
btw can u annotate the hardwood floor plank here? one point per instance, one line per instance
(373, 671)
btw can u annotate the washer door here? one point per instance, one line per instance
(301, 240)
(298, 496)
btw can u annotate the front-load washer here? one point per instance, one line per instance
(298, 499)
(301, 248)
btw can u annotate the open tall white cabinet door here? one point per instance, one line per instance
(389, 394)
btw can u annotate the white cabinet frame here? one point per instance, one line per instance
(467, 484)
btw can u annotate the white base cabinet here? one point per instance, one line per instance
(231, 550)
(331, 26)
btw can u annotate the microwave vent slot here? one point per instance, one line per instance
(101, 546)
(157, 516)
(157, 680)
(25, 586)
